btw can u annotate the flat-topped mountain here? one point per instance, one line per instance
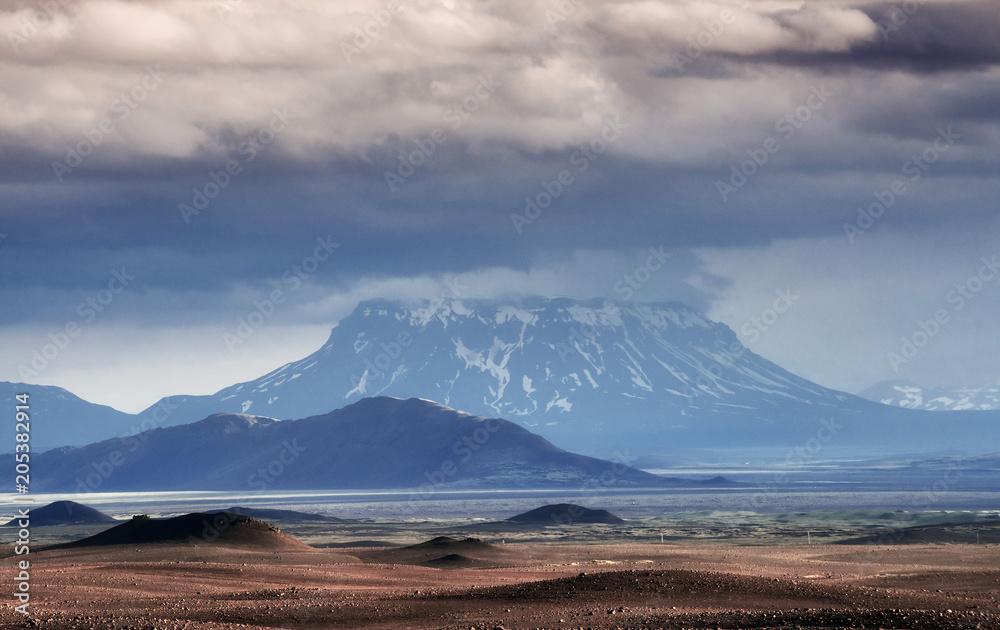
(592, 376)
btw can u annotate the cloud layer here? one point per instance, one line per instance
(533, 146)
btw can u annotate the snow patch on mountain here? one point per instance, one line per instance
(526, 385)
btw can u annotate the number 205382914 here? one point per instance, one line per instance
(22, 449)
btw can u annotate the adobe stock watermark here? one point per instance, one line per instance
(707, 377)
(563, 11)
(87, 310)
(788, 126)
(798, 457)
(810, 450)
(370, 32)
(225, 8)
(265, 476)
(130, 440)
(899, 16)
(929, 498)
(121, 108)
(957, 298)
(35, 22)
(913, 168)
(583, 334)
(582, 159)
(626, 287)
(261, 479)
(632, 282)
(391, 352)
(293, 279)
(455, 116)
(758, 325)
(251, 147)
(752, 329)
(698, 43)
(464, 449)
(609, 477)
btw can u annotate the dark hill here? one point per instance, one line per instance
(220, 528)
(455, 561)
(565, 514)
(274, 514)
(451, 544)
(374, 443)
(967, 533)
(719, 480)
(65, 513)
(443, 552)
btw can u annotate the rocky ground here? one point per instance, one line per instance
(469, 584)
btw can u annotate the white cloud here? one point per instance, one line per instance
(229, 68)
(742, 28)
(833, 29)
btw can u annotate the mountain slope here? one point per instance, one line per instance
(375, 443)
(60, 418)
(592, 376)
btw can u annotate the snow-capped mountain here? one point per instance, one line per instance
(910, 396)
(590, 376)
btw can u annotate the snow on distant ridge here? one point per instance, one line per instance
(911, 396)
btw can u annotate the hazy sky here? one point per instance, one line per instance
(166, 165)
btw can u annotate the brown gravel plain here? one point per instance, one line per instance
(471, 584)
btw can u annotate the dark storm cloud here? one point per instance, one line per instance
(916, 37)
(926, 37)
(417, 149)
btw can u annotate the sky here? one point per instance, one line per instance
(819, 175)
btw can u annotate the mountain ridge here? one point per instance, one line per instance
(79, 420)
(374, 443)
(913, 396)
(594, 376)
